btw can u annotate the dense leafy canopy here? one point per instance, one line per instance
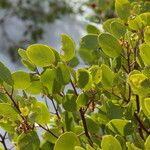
(102, 106)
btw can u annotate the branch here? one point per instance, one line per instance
(54, 107)
(48, 131)
(13, 101)
(3, 137)
(85, 127)
(56, 110)
(141, 124)
(82, 114)
(73, 86)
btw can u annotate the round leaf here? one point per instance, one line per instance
(82, 100)
(69, 102)
(146, 106)
(107, 76)
(28, 141)
(42, 115)
(122, 8)
(147, 35)
(84, 79)
(145, 53)
(21, 80)
(68, 47)
(92, 29)
(110, 143)
(120, 126)
(109, 45)
(118, 29)
(5, 74)
(89, 42)
(92, 125)
(147, 143)
(67, 141)
(40, 55)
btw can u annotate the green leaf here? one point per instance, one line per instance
(67, 140)
(89, 42)
(86, 55)
(146, 106)
(63, 74)
(69, 121)
(145, 17)
(92, 125)
(131, 146)
(140, 21)
(109, 45)
(107, 24)
(135, 80)
(42, 114)
(23, 54)
(5, 74)
(147, 35)
(73, 62)
(147, 143)
(82, 100)
(110, 111)
(4, 98)
(145, 53)
(135, 23)
(46, 146)
(84, 79)
(118, 29)
(28, 141)
(79, 148)
(35, 88)
(91, 29)
(110, 143)
(68, 47)
(48, 80)
(146, 71)
(107, 76)
(6, 110)
(49, 137)
(96, 73)
(8, 117)
(69, 102)
(120, 126)
(21, 80)
(40, 55)
(122, 8)
(28, 65)
(89, 48)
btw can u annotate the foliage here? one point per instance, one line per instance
(102, 106)
(105, 9)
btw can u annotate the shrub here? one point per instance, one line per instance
(104, 105)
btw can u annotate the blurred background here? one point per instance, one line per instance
(25, 22)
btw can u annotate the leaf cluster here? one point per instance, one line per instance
(102, 106)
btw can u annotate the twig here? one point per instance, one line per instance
(85, 127)
(141, 123)
(54, 106)
(74, 87)
(56, 110)
(82, 114)
(11, 97)
(3, 140)
(48, 130)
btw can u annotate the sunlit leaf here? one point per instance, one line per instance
(40, 55)
(68, 47)
(62, 141)
(109, 45)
